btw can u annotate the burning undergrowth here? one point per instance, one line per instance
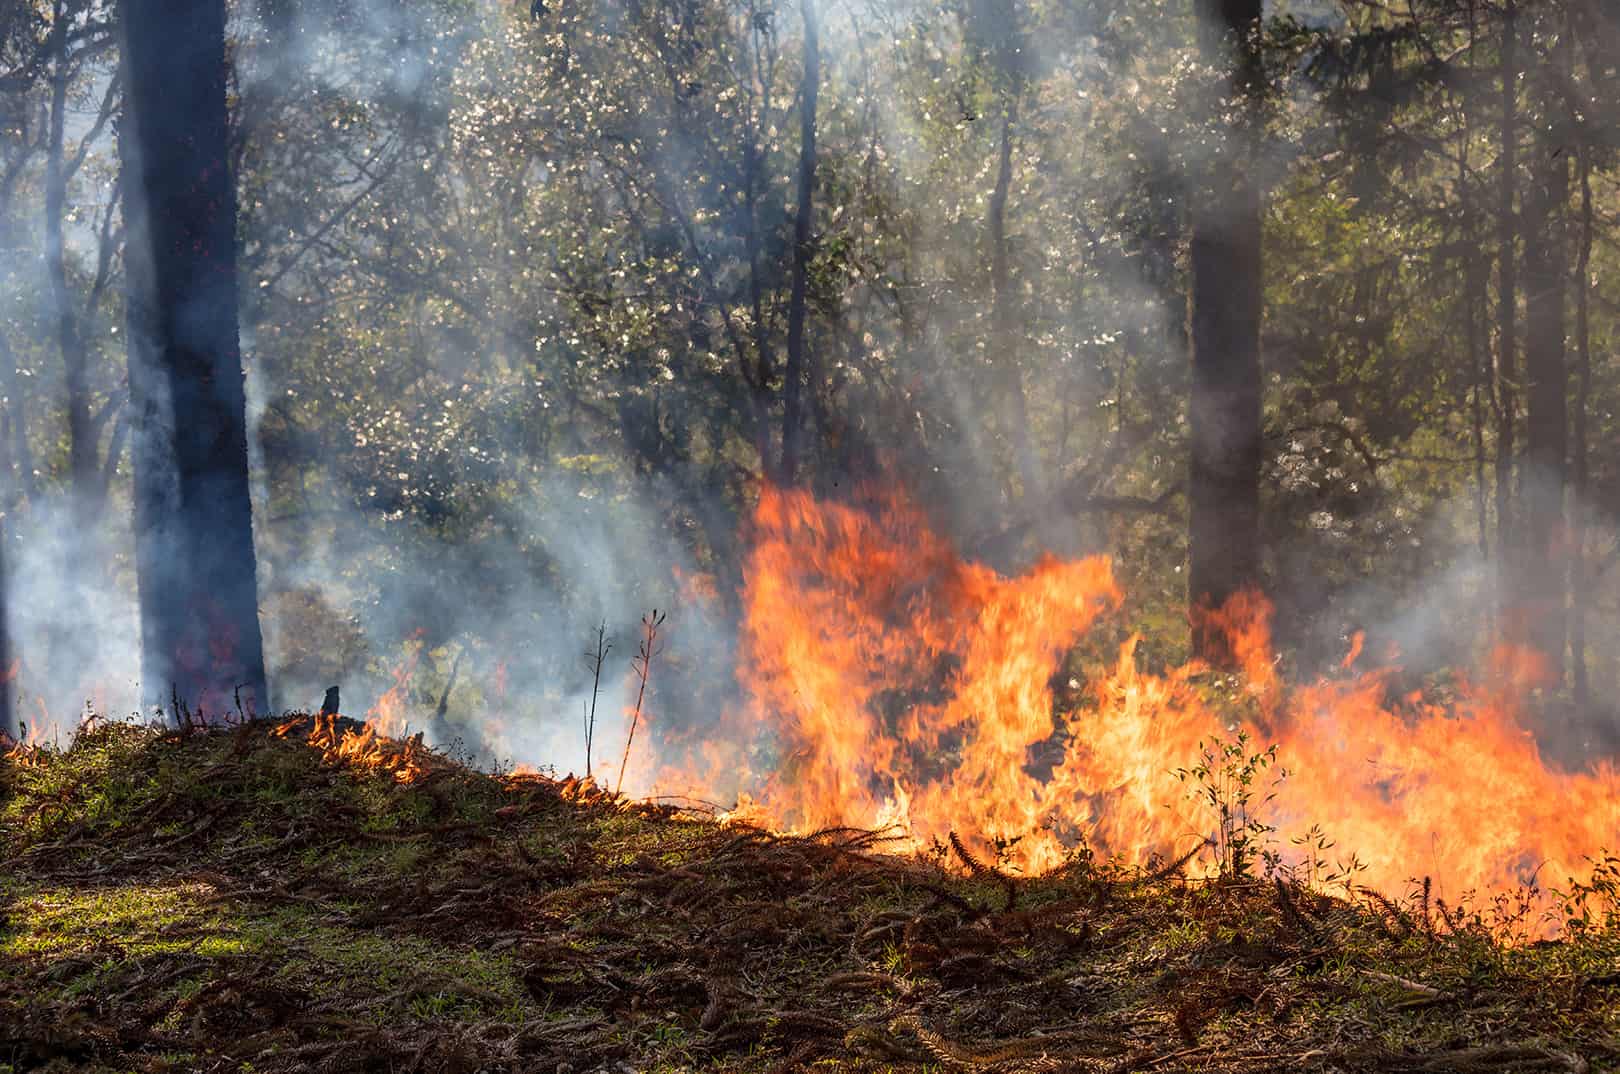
(889, 681)
(885, 682)
(1005, 860)
(259, 898)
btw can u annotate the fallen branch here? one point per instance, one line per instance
(1427, 993)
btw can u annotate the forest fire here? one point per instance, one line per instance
(676, 430)
(888, 681)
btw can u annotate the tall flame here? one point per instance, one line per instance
(889, 681)
(388, 716)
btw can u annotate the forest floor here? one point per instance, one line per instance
(241, 900)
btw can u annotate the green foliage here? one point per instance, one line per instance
(1593, 905)
(1231, 780)
(1319, 869)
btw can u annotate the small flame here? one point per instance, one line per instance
(365, 748)
(30, 748)
(1357, 640)
(388, 714)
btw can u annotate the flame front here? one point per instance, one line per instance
(888, 681)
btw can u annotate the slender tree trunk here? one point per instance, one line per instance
(1166, 193)
(1223, 530)
(1544, 476)
(760, 334)
(193, 517)
(796, 372)
(1579, 477)
(1474, 310)
(80, 560)
(82, 465)
(1474, 314)
(764, 362)
(1546, 441)
(1507, 320)
(1003, 316)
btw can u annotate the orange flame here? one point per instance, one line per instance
(890, 682)
(30, 749)
(365, 749)
(388, 714)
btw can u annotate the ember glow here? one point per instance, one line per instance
(888, 681)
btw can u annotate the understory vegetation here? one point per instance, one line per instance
(239, 899)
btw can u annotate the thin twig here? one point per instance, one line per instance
(594, 659)
(642, 664)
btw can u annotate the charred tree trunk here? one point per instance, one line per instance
(1507, 298)
(764, 364)
(1543, 477)
(193, 517)
(1579, 476)
(1223, 528)
(1475, 314)
(754, 181)
(795, 375)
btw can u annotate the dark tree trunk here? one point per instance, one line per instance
(1542, 480)
(754, 180)
(1223, 527)
(764, 363)
(796, 372)
(193, 517)
(1507, 298)
(1166, 192)
(1475, 313)
(1579, 478)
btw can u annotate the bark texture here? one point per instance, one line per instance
(193, 518)
(1223, 529)
(1540, 598)
(1507, 297)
